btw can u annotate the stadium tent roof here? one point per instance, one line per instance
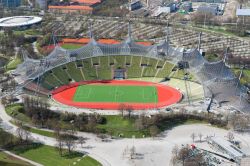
(217, 79)
(18, 21)
(243, 12)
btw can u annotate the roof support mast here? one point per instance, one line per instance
(199, 41)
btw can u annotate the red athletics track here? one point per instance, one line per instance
(166, 95)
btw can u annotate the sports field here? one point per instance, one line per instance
(111, 94)
(116, 93)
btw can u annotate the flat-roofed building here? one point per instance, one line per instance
(209, 9)
(71, 9)
(42, 4)
(87, 2)
(243, 12)
(10, 3)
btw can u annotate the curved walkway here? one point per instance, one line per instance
(9, 127)
(151, 152)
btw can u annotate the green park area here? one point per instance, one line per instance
(13, 63)
(8, 160)
(49, 156)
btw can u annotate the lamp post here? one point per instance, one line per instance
(187, 93)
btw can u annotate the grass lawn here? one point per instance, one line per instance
(212, 57)
(27, 32)
(7, 160)
(216, 29)
(42, 132)
(180, 75)
(118, 125)
(116, 93)
(71, 46)
(88, 161)
(14, 111)
(13, 63)
(245, 79)
(49, 156)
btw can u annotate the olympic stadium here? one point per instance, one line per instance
(105, 76)
(19, 21)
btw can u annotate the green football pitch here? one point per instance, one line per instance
(116, 93)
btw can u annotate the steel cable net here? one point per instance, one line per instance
(208, 71)
(30, 69)
(218, 80)
(226, 90)
(24, 71)
(194, 59)
(97, 49)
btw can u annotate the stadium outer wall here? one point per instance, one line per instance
(166, 96)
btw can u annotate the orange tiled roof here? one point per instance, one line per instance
(103, 41)
(108, 41)
(87, 1)
(145, 43)
(73, 7)
(86, 40)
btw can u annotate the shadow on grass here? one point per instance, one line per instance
(22, 148)
(170, 124)
(72, 155)
(2, 163)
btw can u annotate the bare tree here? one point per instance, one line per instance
(186, 157)
(239, 122)
(103, 137)
(175, 152)
(69, 141)
(139, 124)
(129, 109)
(230, 136)
(154, 130)
(193, 136)
(26, 134)
(200, 136)
(122, 108)
(132, 152)
(20, 134)
(59, 138)
(183, 154)
(23, 133)
(81, 140)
